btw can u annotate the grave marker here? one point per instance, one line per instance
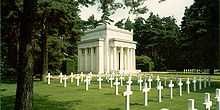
(86, 83)
(48, 78)
(65, 78)
(158, 79)
(77, 80)
(188, 83)
(71, 77)
(127, 94)
(116, 83)
(191, 105)
(171, 85)
(61, 77)
(205, 82)
(145, 91)
(208, 102)
(159, 88)
(194, 84)
(165, 81)
(180, 84)
(209, 81)
(81, 76)
(200, 83)
(140, 83)
(121, 80)
(111, 80)
(149, 81)
(217, 99)
(100, 81)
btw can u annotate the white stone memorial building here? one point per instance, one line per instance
(106, 49)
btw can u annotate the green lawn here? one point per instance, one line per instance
(56, 97)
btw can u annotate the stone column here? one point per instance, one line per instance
(121, 59)
(111, 60)
(100, 59)
(92, 58)
(125, 60)
(79, 60)
(86, 58)
(114, 58)
(128, 60)
(133, 59)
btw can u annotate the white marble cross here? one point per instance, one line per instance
(171, 85)
(217, 93)
(129, 82)
(217, 99)
(205, 82)
(200, 83)
(159, 88)
(100, 81)
(209, 81)
(111, 80)
(121, 80)
(81, 76)
(194, 84)
(165, 81)
(145, 91)
(116, 83)
(87, 83)
(191, 105)
(127, 94)
(61, 77)
(90, 77)
(48, 78)
(180, 84)
(65, 78)
(140, 83)
(188, 87)
(77, 80)
(208, 102)
(107, 76)
(71, 77)
(149, 81)
(158, 79)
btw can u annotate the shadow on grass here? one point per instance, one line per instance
(8, 81)
(114, 109)
(40, 103)
(108, 93)
(133, 104)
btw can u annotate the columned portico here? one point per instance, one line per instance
(107, 49)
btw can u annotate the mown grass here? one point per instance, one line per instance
(56, 97)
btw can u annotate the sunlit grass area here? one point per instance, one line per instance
(56, 97)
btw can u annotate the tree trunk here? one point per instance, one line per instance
(44, 57)
(44, 47)
(24, 91)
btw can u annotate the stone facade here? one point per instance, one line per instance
(107, 49)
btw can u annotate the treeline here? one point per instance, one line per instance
(57, 28)
(193, 44)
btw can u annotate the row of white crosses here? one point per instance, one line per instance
(128, 92)
(207, 102)
(89, 77)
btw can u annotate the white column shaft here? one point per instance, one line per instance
(79, 59)
(114, 57)
(86, 58)
(91, 58)
(121, 59)
(100, 59)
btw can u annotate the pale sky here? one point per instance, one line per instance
(173, 8)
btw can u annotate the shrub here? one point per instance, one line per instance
(144, 63)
